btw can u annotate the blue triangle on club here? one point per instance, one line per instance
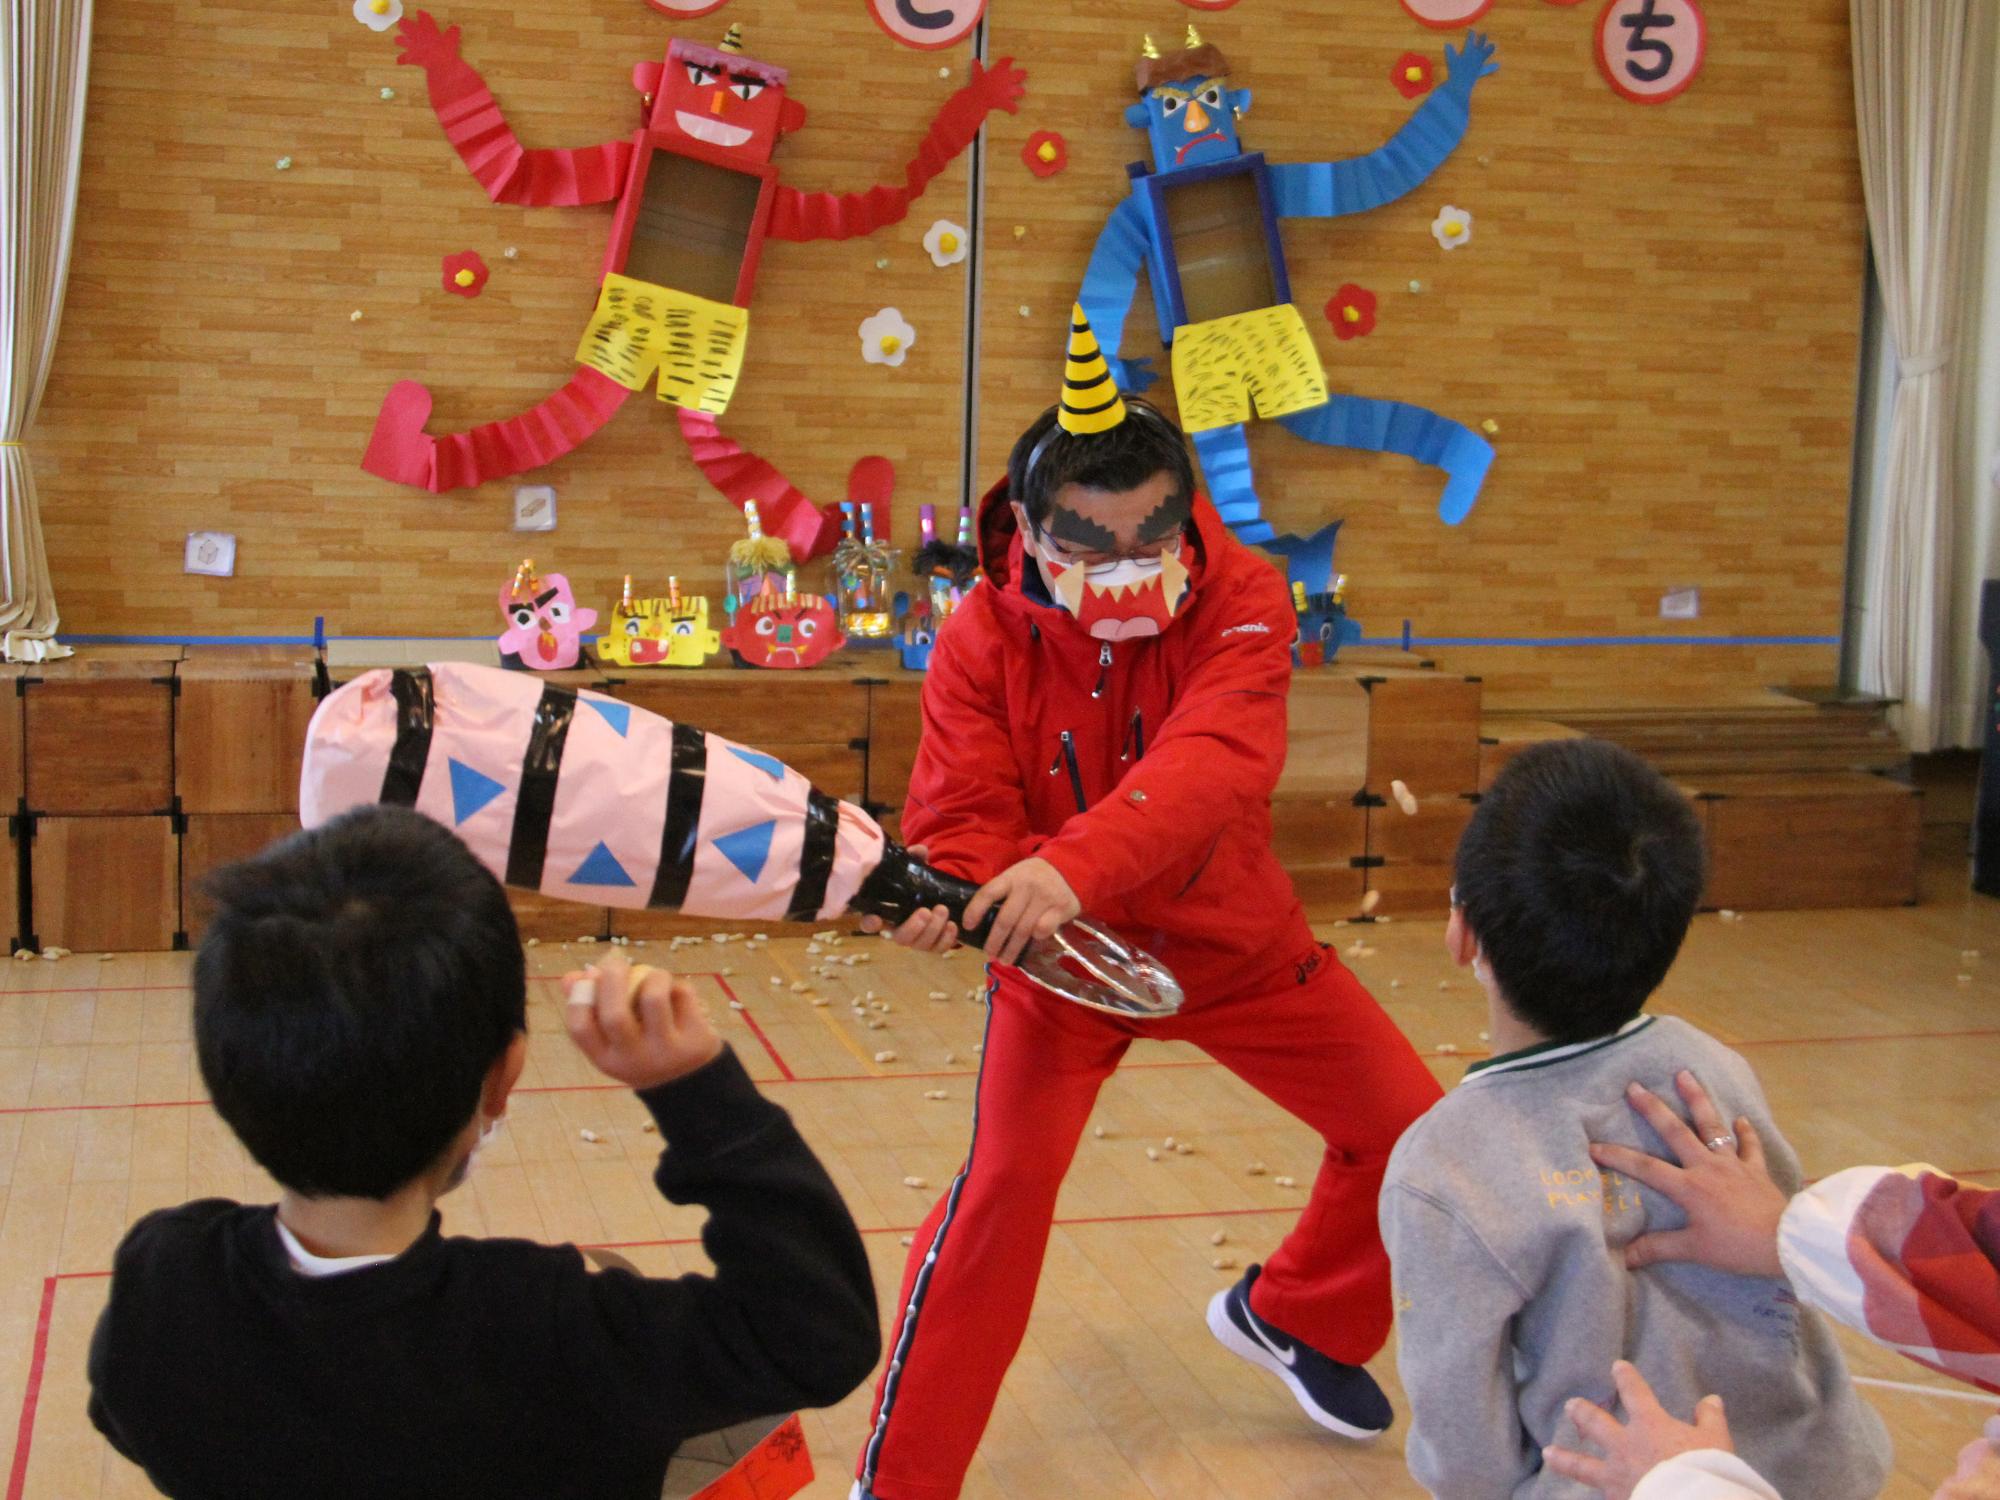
(769, 765)
(748, 848)
(470, 791)
(602, 868)
(617, 715)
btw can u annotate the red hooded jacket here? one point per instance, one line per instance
(1141, 769)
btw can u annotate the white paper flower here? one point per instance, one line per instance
(886, 338)
(378, 15)
(1452, 227)
(946, 243)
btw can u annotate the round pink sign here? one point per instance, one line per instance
(927, 24)
(1445, 14)
(1650, 50)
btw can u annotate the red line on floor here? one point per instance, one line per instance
(24, 1435)
(757, 1031)
(1468, 1054)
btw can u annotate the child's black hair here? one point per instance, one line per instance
(354, 988)
(1579, 874)
(1122, 458)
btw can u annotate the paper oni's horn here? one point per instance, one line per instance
(584, 798)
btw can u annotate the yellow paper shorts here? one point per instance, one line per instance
(1261, 361)
(695, 345)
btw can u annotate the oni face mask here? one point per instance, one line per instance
(1121, 600)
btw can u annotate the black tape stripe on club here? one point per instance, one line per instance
(686, 783)
(535, 804)
(416, 708)
(816, 857)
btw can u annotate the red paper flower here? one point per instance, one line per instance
(1351, 310)
(1046, 153)
(465, 274)
(1412, 75)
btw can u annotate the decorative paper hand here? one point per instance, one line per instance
(1001, 86)
(1132, 375)
(424, 45)
(1465, 66)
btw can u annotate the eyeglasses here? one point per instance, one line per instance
(1081, 557)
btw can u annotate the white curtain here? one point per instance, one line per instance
(44, 66)
(1912, 76)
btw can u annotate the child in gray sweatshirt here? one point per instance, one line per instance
(1576, 881)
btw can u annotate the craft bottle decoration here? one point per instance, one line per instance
(869, 616)
(584, 798)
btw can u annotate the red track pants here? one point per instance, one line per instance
(1308, 1037)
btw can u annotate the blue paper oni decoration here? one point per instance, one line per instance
(917, 635)
(1319, 599)
(1202, 220)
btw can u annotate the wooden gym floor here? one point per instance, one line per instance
(1876, 1035)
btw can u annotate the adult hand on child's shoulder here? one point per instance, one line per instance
(1725, 1188)
(643, 1027)
(1649, 1438)
(1978, 1475)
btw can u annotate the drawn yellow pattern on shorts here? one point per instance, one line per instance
(695, 345)
(1263, 361)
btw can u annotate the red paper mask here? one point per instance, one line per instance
(725, 100)
(771, 630)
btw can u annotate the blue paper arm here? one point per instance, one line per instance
(1329, 189)
(1109, 283)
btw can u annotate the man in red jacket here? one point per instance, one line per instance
(1104, 721)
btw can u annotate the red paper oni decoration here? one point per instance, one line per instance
(542, 627)
(784, 630)
(695, 197)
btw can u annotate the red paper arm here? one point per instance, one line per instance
(473, 124)
(839, 216)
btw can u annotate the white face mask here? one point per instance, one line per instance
(1122, 600)
(486, 1133)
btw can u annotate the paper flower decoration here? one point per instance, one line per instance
(1412, 75)
(1351, 310)
(378, 15)
(1452, 227)
(1046, 153)
(465, 274)
(946, 243)
(886, 338)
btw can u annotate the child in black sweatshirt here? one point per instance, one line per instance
(359, 1015)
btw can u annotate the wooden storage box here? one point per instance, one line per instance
(105, 884)
(1423, 730)
(1816, 839)
(1320, 841)
(212, 840)
(1410, 857)
(1500, 741)
(548, 920)
(99, 732)
(240, 729)
(1327, 736)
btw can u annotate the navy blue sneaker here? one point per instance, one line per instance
(1341, 1398)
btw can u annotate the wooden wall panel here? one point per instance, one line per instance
(1659, 307)
(208, 374)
